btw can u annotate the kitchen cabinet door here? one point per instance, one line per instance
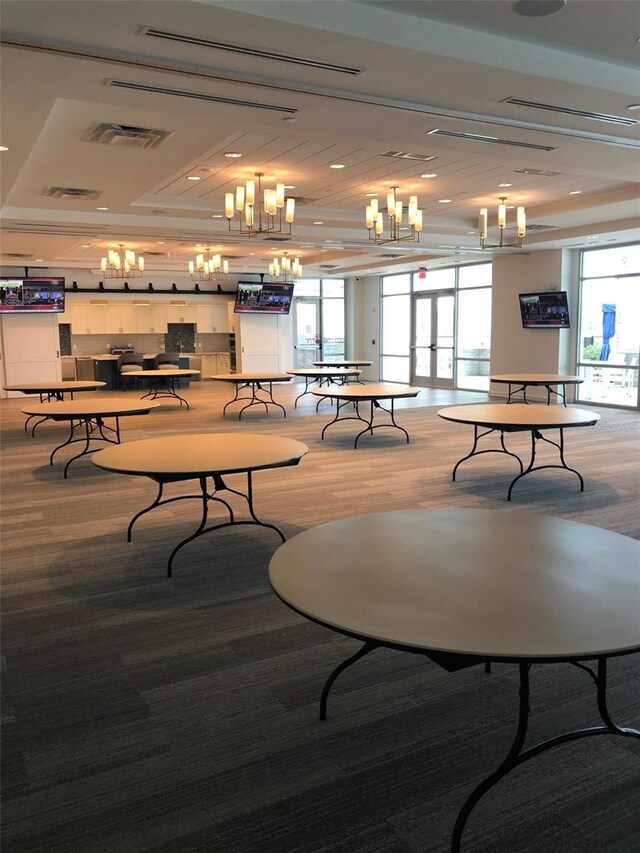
(205, 318)
(111, 318)
(127, 313)
(181, 314)
(209, 365)
(223, 363)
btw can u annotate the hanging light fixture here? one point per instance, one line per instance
(395, 211)
(257, 211)
(122, 264)
(284, 270)
(209, 268)
(521, 224)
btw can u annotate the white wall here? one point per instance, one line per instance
(29, 350)
(366, 324)
(518, 350)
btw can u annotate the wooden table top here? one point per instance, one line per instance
(519, 415)
(251, 377)
(53, 386)
(346, 362)
(163, 372)
(469, 581)
(380, 391)
(325, 371)
(191, 456)
(102, 406)
(537, 378)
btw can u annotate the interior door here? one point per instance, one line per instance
(308, 339)
(433, 340)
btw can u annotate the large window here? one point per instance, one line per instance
(471, 287)
(319, 320)
(609, 326)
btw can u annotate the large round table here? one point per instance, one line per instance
(519, 417)
(257, 384)
(89, 415)
(467, 587)
(49, 390)
(323, 376)
(174, 459)
(537, 380)
(164, 382)
(372, 394)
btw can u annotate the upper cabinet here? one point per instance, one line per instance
(212, 318)
(150, 319)
(181, 313)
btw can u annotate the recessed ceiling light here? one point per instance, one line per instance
(86, 245)
(290, 119)
(319, 222)
(252, 253)
(471, 232)
(429, 175)
(371, 195)
(193, 177)
(102, 208)
(160, 242)
(4, 147)
(38, 260)
(630, 107)
(232, 155)
(575, 192)
(337, 166)
(505, 185)
(289, 186)
(538, 8)
(216, 216)
(444, 201)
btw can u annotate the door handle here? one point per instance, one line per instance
(432, 347)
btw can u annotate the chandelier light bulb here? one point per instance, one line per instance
(374, 219)
(122, 264)
(258, 210)
(209, 268)
(521, 226)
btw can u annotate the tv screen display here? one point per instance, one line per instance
(547, 310)
(263, 298)
(31, 295)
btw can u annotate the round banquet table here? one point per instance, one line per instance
(164, 382)
(537, 380)
(371, 394)
(173, 459)
(323, 376)
(89, 415)
(519, 417)
(257, 384)
(343, 362)
(49, 390)
(469, 586)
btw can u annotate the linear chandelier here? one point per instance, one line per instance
(284, 270)
(257, 211)
(375, 220)
(521, 224)
(122, 264)
(209, 268)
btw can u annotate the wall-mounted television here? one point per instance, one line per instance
(546, 310)
(31, 295)
(263, 298)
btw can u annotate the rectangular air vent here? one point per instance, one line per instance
(16, 255)
(404, 155)
(128, 136)
(72, 192)
(329, 266)
(276, 239)
(543, 173)
(249, 51)
(480, 137)
(392, 257)
(531, 227)
(570, 111)
(198, 96)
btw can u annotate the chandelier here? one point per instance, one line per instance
(284, 270)
(122, 264)
(521, 223)
(375, 221)
(209, 268)
(257, 211)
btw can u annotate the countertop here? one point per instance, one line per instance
(108, 357)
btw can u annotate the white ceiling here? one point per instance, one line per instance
(418, 70)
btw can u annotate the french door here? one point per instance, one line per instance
(433, 339)
(308, 332)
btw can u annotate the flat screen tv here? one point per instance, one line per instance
(263, 298)
(547, 310)
(31, 295)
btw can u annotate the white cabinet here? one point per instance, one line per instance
(150, 319)
(209, 365)
(112, 324)
(181, 314)
(86, 319)
(212, 318)
(223, 362)
(264, 343)
(29, 345)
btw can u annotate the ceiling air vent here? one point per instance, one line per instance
(531, 227)
(249, 51)
(16, 255)
(404, 155)
(198, 96)
(329, 266)
(393, 257)
(480, 137)
(276, 239)
(127, 136)
(72, 192)
(543, 173)
(569, 111)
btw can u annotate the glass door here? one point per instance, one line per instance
(433, 340)
(308, 340)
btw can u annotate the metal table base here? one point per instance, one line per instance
(254, 400)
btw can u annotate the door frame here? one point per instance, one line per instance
(432, 381)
